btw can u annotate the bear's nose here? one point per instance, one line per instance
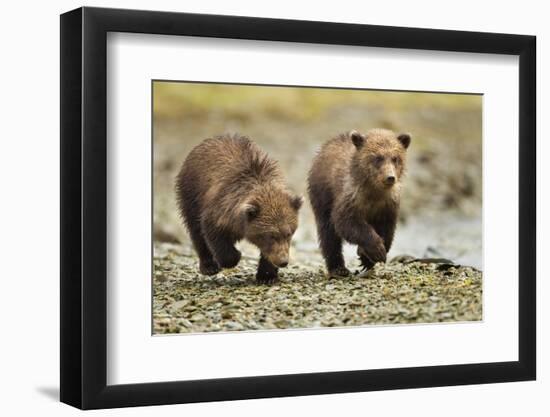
(283, 264)
(390, 179)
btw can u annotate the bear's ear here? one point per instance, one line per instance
(405, 139)
(357, 138)
(296, 202)
(250, 211)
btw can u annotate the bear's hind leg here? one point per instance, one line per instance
(329, 241)
(331, 248)
(221, 245)
(207, 264)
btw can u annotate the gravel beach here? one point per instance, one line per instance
(402, 291)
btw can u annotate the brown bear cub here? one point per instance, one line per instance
(354, 188)
(228, 189)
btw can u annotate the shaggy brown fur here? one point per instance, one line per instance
(354, 188)
(228, 189)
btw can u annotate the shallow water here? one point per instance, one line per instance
(450, 236)
(454, 237)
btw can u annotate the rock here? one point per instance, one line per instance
(198, 317)
(227, 314)
(233, 325)
(400, 259)
(179, 304)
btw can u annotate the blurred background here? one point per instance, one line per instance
(441, 213)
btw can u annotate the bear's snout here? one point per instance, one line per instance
(278, 255)
(279, 261)
(389, 175)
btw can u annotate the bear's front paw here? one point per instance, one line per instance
(209, 267)
(375, 250)
(267, 276)
(339, 272)
(229, 259)
(366, 262)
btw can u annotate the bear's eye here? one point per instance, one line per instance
(378, 159)
(396, 160)
(271, 237)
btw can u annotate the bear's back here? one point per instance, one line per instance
(224, 168)
(331, 165)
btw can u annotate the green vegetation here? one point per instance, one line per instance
(172, 99)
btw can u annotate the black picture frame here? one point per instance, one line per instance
(84, 207)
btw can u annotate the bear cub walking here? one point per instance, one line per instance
(228, 189)
(354, 186)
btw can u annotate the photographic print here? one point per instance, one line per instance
(353, 196)
(288, 207)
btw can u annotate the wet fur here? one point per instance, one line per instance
(228, 189)
(349, 198)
